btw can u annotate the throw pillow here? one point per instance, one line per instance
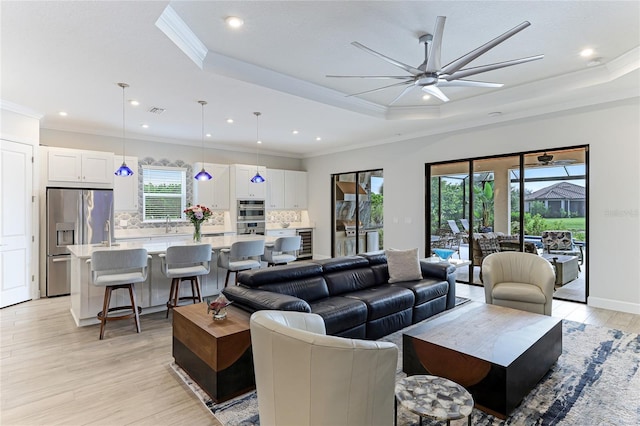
(404, 265)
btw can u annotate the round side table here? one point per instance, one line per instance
(434, 397)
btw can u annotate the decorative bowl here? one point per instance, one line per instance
(285, 224)
(443, 254)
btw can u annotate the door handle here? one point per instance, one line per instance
(66, 259)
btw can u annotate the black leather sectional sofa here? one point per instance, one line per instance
(352, 293)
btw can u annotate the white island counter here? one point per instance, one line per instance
(152, 295)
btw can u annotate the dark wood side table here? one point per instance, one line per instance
(215, 354)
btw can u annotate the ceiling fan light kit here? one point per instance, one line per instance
(431, 76)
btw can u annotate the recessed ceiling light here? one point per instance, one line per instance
(426, 97)
(133, 102)
(63, 113)
(259, 141)
(585, 53)
(144, 125)
(234, 21)
(318, 138)
(295, 132)
(230, 120)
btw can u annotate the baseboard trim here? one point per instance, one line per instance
(614, 305)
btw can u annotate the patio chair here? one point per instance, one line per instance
(465, 224)
(561, 242)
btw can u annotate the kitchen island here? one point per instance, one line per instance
(151, 295)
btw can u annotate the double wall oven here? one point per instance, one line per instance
(251, 217)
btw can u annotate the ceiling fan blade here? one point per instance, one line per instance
(434, 91)
(379, 88)
(478, 70)
(407, 68)
(404, 92)
(466, 83)
(378, 77)
(433, 60)
(465, 59)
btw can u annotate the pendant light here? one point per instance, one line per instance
(202, 174)
(257, 178)
(123, 170)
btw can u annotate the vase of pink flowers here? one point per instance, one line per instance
(196, 215)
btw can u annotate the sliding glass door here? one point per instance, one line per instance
(357, 212)
(512, 202)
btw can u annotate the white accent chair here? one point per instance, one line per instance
(114, 269)
(283, 251)
(519, 280)
(241, 256)
(304, 377)
(185, 263)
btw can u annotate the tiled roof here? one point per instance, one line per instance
(558, 191)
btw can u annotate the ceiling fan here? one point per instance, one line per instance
(547, 160)
(430, 76)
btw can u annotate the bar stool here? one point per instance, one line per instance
(241, 256)
(116, 269)
(282, 251)
(185, 263)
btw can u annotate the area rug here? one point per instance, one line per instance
(596, 381)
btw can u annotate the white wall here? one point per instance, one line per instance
(613, 133)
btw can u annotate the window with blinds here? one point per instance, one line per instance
(164, 193)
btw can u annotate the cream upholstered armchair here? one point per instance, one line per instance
(304, 377)
(519, 280)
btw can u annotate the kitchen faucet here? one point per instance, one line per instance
(107, 232)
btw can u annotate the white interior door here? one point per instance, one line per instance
(16, 211)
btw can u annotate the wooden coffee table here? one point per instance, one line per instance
(216, 354)
(498, 354)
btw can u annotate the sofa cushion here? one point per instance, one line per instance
(260, 277)
(253, 300)
(349, 280)
(340, 313)
(403, 265)
(341, 263)
(426, 289)
(309, 289)
(383, 301)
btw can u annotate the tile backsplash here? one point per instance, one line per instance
(281, 216)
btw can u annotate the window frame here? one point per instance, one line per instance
(182, 196)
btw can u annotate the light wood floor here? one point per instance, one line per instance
(53, 373)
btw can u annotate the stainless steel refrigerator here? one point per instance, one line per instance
(74, 216)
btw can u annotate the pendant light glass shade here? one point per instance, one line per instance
(202, 174)
(123, 170)
(257, 178)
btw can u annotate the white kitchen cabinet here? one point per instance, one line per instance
(295, 190)
(125, 188)
(242, 187)
(212, 193)
(275, 189)
(79, 166)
